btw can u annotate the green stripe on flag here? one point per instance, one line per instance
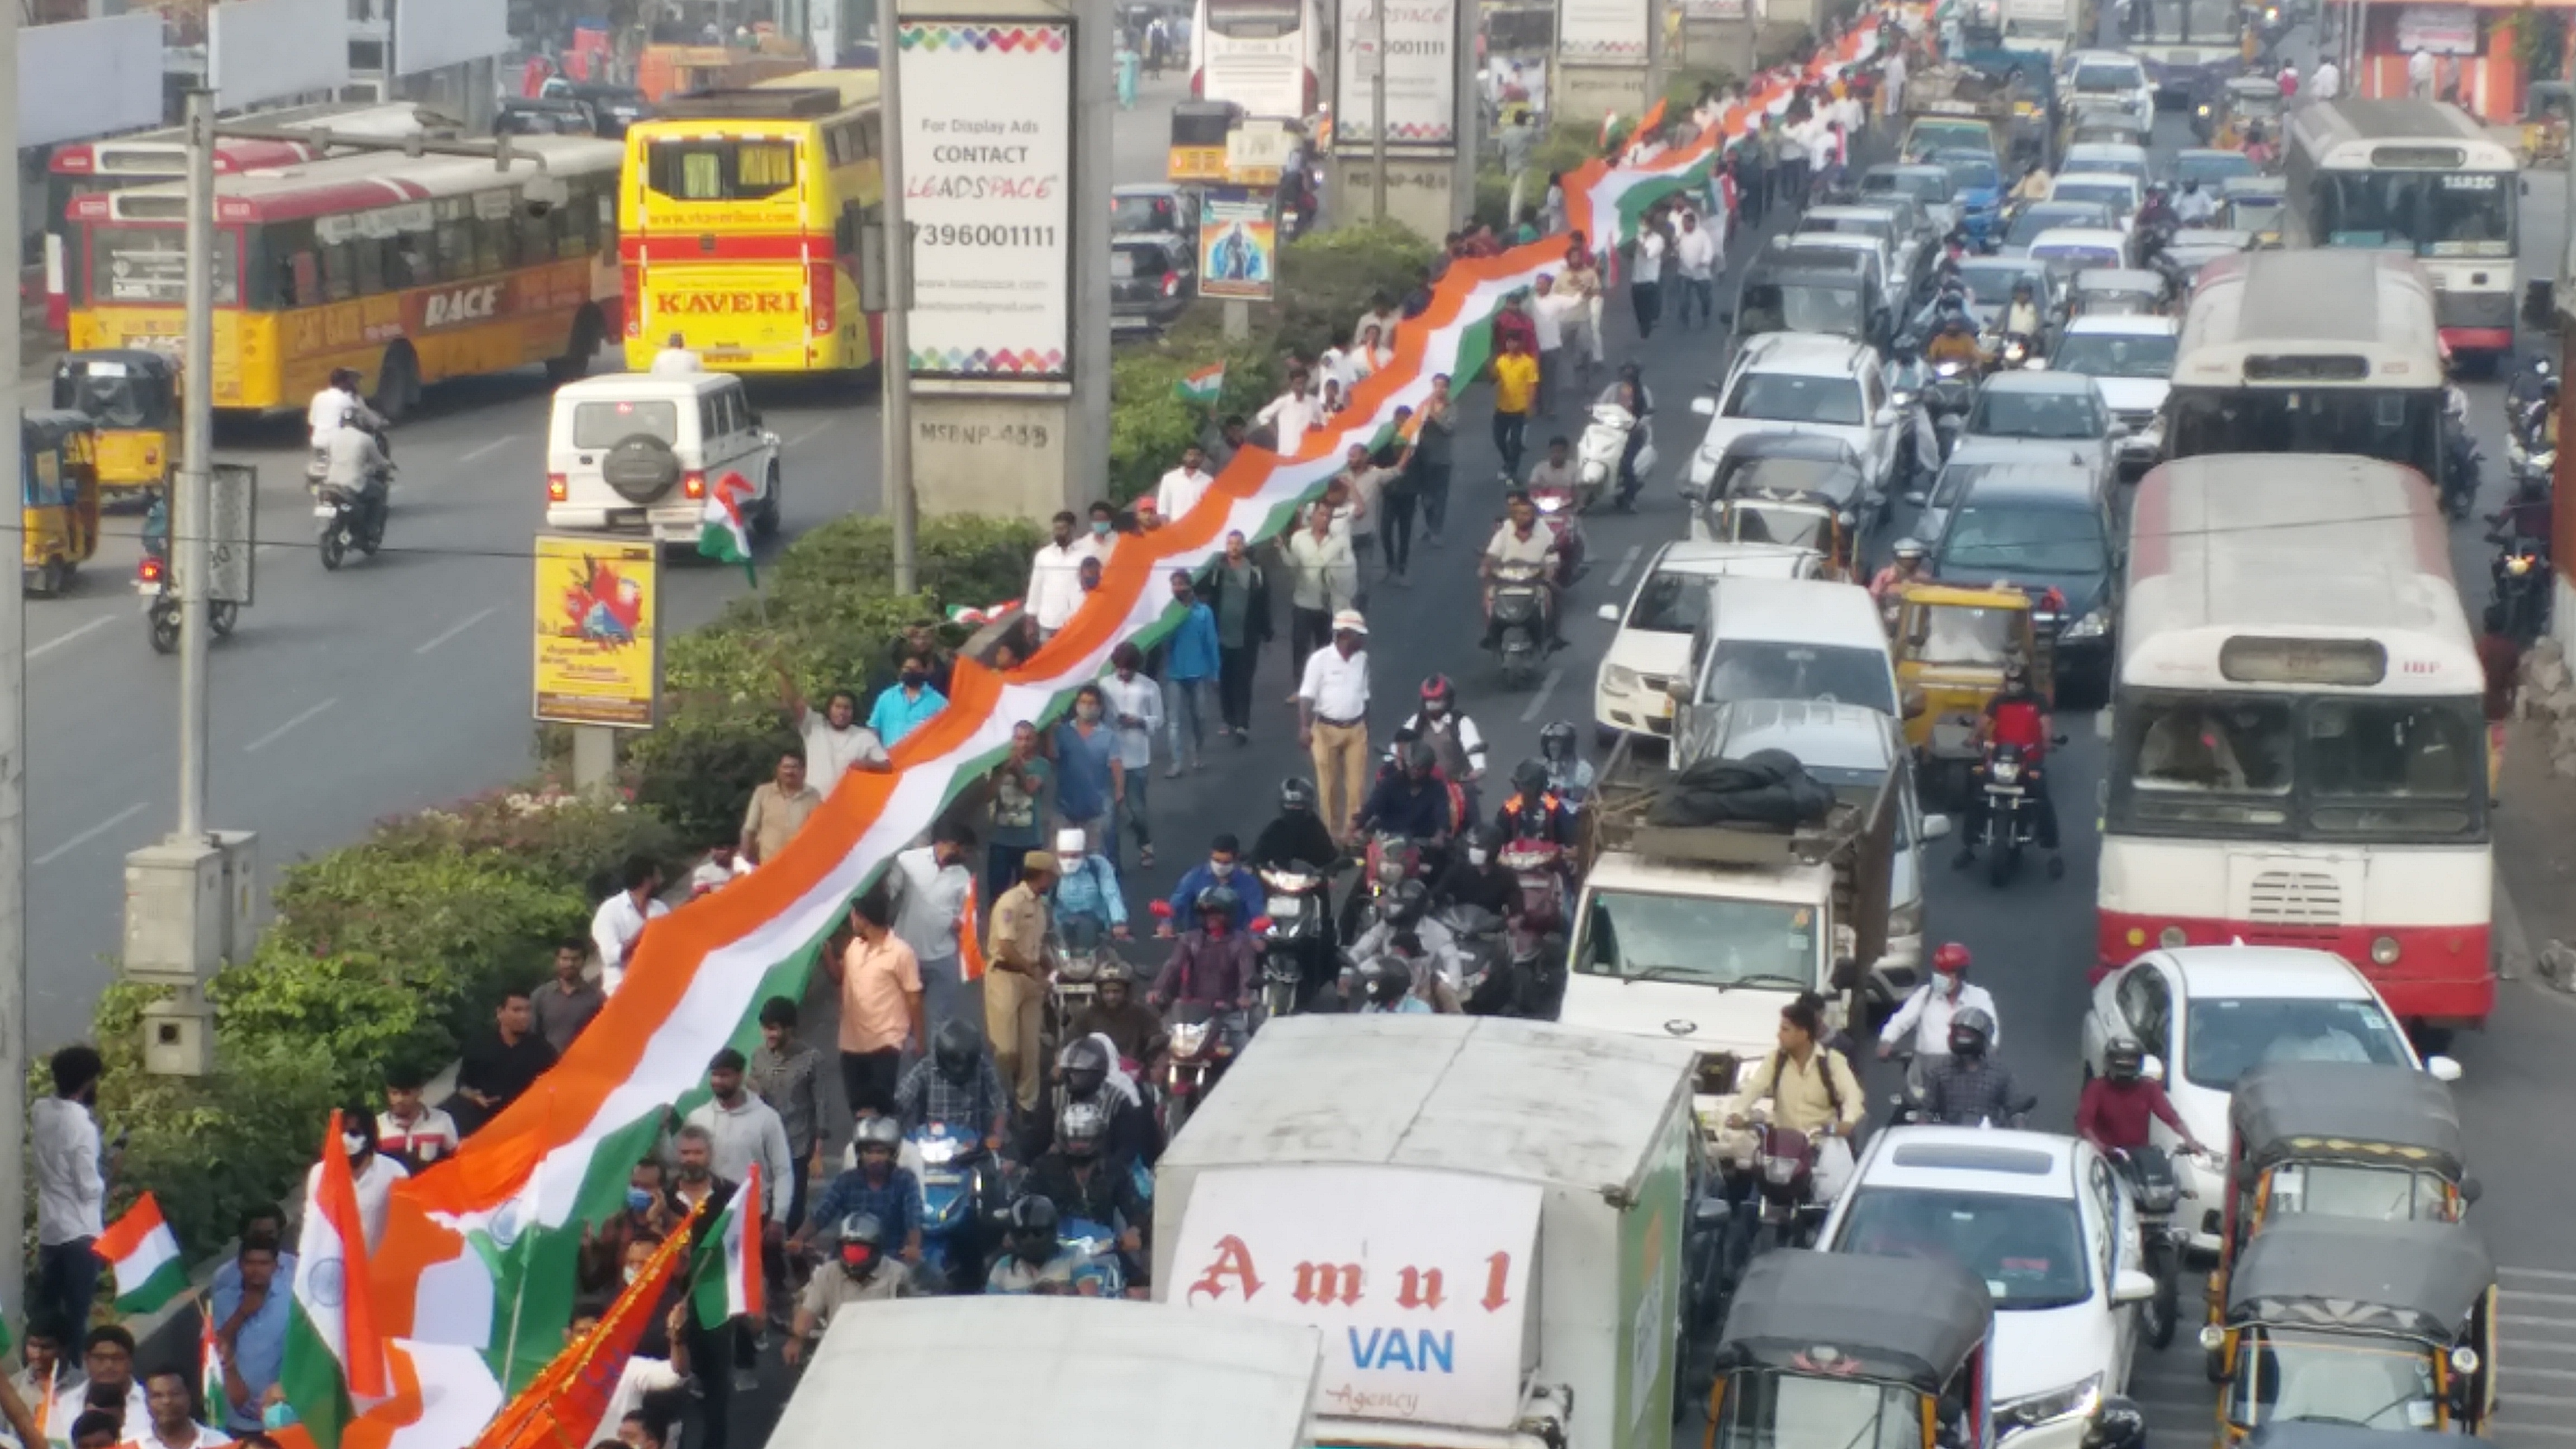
(167, 1282)
(314, 1382)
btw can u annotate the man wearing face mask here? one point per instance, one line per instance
(1475, 878)
(906, 705)
(1213, 965)
(877, 1186)
(865, 1277)
(374, 1173)
(647, 1217)
(1224, 853)
(1927, 1011)
(697, 1196)
(1087, 901)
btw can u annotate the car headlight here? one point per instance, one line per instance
(2076, 1400)
(2092, 626)
(1618, 680)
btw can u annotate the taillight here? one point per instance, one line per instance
(150, 570)
(822, 298)
(1171, 284)
(693, 485)
(558, 487)
(634, 285)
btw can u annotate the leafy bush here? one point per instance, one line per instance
(1327, 279)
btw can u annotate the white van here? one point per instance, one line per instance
(637, 453)
(1794, 639)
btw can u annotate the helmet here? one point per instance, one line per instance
(1951, 959)
(862, 1243)
(1113, 972)
(2544, 367)
(1296, 793)
(1031, 1217)
(1085, 1067)
(1955, 322)
(1438, 691)
(1529, 777)
(1220, 899)
(2123, 1059)
(955, 1050)
(1970, 1031)
(1081, 1128)
(2016, 672)
(1410, 892)
(1910, 548)
(1385, 982)
(880, 1131)
(2021, 287)
(1485, 837)
(1556, 742)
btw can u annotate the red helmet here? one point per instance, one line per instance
(1951, 959)
(1438, 687)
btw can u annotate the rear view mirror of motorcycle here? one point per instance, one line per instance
(2102, 725)
(2152, 1067)
(1704, 406)
(1609, 613)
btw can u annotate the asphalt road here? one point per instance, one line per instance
(394, 685)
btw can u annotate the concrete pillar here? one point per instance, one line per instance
(1001, 188)
(1609, 58)
(1432, 115)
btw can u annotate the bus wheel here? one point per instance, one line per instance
(575, 363)
(397, 384)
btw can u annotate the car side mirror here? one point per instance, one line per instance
(1936, 827)
(1677, 691)
(1609, 613)
(1704, 406)
(2132, 1286)
(2118, 430)
(2442, 1069)
(2152, 1068)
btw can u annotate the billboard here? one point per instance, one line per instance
(1603, 32)
(265, 50)
(1238, 247)
(433, 33)
(88, 78)
(1421, 75)
(598, 654)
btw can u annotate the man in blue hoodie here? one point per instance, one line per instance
(1189, 673)
(1223, 867)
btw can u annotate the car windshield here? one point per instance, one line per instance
(1958, 635)
(1823, 673)
(1699, 940)
(1670, 603)
(1784, 1411)
(2384, 769)
(1800, 307)
(605, 424)
(1870, 226)
(2101, 192)
(1797, 525)
(1782, 475)
(2050, 215)
(1991, 282)
(1971, 172)
(2099, 78)
(2371, 1380)
(2000, 542)
(2029, 1250)
(2068, 258)
(2115, 354)
(2224, 1037)
(1789, 397)
(1133, 214)
(2353, 1190)
(2014, 413)
(1929, 187)
(2212, 168)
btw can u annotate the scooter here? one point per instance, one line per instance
(2157, 1193)
(1556, 511)
(2016, 353)
(1598, 451)
(160, 591)
(1948, 397)
(1297, 937)
(1538, 867)
(1100, 1269)
(1516, 621)
(954, 1174)
(2521, 577)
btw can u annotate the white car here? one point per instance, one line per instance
(2207, 1013)
(1891, 225)
(2123, 194)
(2107, 156)
(2066, 250)
(1797, 382)
(2043, 1221)
(1882, 260)
(2110, 75)
(2131, 360)
(641, 453)
(1652, 647)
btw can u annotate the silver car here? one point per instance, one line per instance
(2048, 416)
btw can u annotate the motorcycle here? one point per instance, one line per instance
(2010, 825)
(1075, 985)
(1516, 621)
(1598, 451)
(1200, 1049)
(1296, 935)
(161, 601)
(1783, 1167)
(350, 518)
(1100, 1269)
(2157, 1193)
(1539, 868)
(1556, 511)
(2522, 584)
(954, 1172)
(2461, 463)
(1949, 396)
(2016, 353)
(1484, 959)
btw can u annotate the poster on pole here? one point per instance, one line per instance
(988, 196)
(2438, 29)
(1421, 76)
(233, 550)
(599, 655)
(1603, 32)
(1238, 247)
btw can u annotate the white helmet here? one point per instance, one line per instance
(1909, 548)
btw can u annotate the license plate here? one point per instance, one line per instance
(2003, 789)
(325, 510)
(149, 591)
(1285, 907)
(625, 517)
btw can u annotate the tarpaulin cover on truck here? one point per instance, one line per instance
(1767, 787)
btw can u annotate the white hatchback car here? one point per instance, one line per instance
(1799, 382)
(2045, 1224)
(640, 453)
(1653, 645)
(2205, 1014)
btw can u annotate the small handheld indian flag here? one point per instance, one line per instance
(1204, 386)
(723, 533)
(726, 1280)
(335, 1359)
(145, 1256)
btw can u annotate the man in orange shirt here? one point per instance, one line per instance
(1515, 392)
(880, 982)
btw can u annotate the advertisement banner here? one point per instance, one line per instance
(599, 656)
(2439, 29)
(1603, 32)
(1650, 1249)
(988, 195)
(266, 50)
(85, 78)
(1421, 75)
(429, 34)
(1238, 248)
(1718, 10)
(1422, 1296)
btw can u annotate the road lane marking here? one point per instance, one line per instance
(93, 833)
(59, 640)
(489, 448)
(2552, 1274)
(1538, 701)
(1627, 561)
(810, 434)
(273, 736)
(456, 628)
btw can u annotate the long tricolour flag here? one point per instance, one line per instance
(723, 533)
(725, 1282)
(335, 1356)
(145, 1256)
(479, 1249)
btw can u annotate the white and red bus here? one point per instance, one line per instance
(2298, 750)
(1263, 55)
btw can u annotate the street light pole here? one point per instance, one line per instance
(190, 548)
(1377, 118)
(13, 780)
(895, 368)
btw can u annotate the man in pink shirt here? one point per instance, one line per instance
(880, 982)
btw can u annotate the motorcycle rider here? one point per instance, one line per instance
(1475, 877)
(2015, 716)
(2156, 212)
(2116, 1107)
(1219, 869)
(1412, 801)
(1386, 986)
(1083, 1179)
(2535, 377)
(353, 462)
(2525, 515)
(1568, 773)
(875, 1184)
(2021, 314)
(1296, 835)
(1032, 1260)
(1956, 342)
(2194, 207)
(863, 1278)
(1212, 965)
(1969, 1086)
(1535, 811)
(1904, 566)
(1115, 1013)
(1522, 539)
(1628, 390)
(1453, 737)
(1433, 950)
(1084, 1066)
(1811, 1088)
(1086, 899)
(1929, 1009)
(337, 406)
(956, 1087)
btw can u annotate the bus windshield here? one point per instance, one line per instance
(2321, 767)
(720, 168)
(2431, 213)
(148, 266)
(2394, 425)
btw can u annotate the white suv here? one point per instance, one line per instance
(637, 453)
(1799, 382)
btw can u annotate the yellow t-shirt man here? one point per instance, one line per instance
(1515, 382)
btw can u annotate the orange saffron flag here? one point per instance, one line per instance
(970, 939)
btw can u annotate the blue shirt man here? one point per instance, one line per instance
(256, 1349)
(1087, 889)
(902, 707)
(1221, 868)
(1085, 750)
(1191, 654)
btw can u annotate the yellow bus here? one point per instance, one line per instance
(739, 218)
(411, 270)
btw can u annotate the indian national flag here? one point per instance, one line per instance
(722, 533)
(1204, 386)
(726, 1280)
(210, 1364)
(145, 1254)
(335, 1360)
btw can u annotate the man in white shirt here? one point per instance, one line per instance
(2327, 83)
(929, 885)
(2419, 74)
(1290, 414)
(371, 1173)
(1324, 575)
(1382, 316)
(1522, 539)
(1926, 1013)
(675, 359)
(620, 919)
(1547, 319)
(169, 1403)
(835, 741)
(1332, 721)
(336, 406)
(1183, 487)
(71, 1190)
(1646, 277)
(745, 1130)
(2193, 207)
(1695, 251)
(1055, 579)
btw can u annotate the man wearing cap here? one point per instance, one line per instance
(1332, 720)
(1015, 985)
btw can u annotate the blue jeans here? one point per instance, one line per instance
(1186, 703)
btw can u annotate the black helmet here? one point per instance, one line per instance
(1384, 981)
(1085, 1067)
(1410, 892)
(2123, 1059)
(1556, 742)
(1529, 777)
(1419, 756)
(1970, 1031)
(2022, 287)
(1081, 1128)
(1113, 972)
(1297, 793)
(954, 1051)
(1031, 1217)
(878, 1131)
(1955, 322)
(1220, 899)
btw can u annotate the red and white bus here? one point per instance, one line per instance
(2298, 751)
(1263, 55)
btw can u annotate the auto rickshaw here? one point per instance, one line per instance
(132, 396)
(2545, 111)
(58, 480)
(2375, 1325)
(2256, 204)
(1951, 644)
(1809, 518)
(2244, 99)
(2339, 1140)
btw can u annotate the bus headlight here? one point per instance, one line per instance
(2383, 951)
(2171, 938)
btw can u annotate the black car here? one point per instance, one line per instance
(545, 116)
(1151, 282)
(2041, 527)
(614, 107)
(1824, 290)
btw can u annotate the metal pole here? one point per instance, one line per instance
(188, 513)
(1377, 115)
(895, 368)
(13, 779)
